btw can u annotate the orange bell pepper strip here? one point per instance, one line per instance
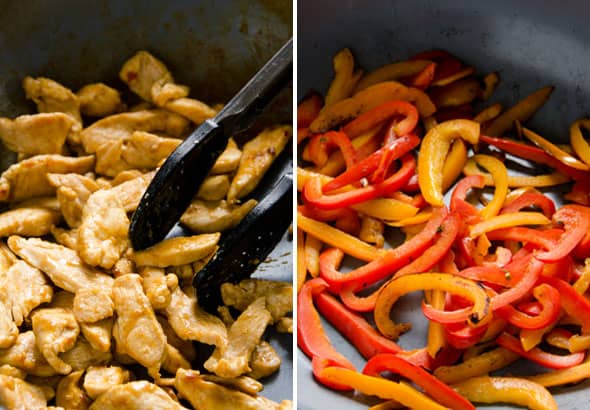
(554, 150)
(508, 220)
(488, 113)
(424, 78)
(512, 390)
(394, 71)
(521, 111)
(466, 72)
(345, 77)
(457, 93)
(577, 141)
(572, 375)
(479, 365)
(420, 218)
(381, 113)
(500, 176)
(428, 281)
(308, 109)
(433, 152)
(436, 337)
(371, 231)
(301, 269)
(454, 163)
(382, 388)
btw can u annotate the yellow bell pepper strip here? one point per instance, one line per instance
(579, 343)
(488, 113)
(490, 82)
(313, 247)
(394, 71)
(372, 231)
(532, 338)
(387, 405)
(345, 77)
(459, 92)
(521, 111)
(554, 150)
(454, 163)
(424, 281)
(575, 220)
(582, 284)
(559, 338)
(371, 97)
(436, 337)
(500, 176)
(382, 388)
(301, 268)
(479, 365)
(511, 390)
(375, 116)
(574, 374)
(335, 237)
(508, 220)
(420, 218)
(433, 152)
(466, 72)
(577, 141)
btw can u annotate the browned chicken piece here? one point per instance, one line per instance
(25, 355)
(102, 236)
(16, 394)
(8, 370)
(243, 383)
(205, 395)
(279, 295)
(243, 336)
(218, 216)
(93, 304)
(183, 272)
(83, 355)
(63, 265)
(148, 77)
(125, 176)
(28, 178)
(190, 322)
(195, 110)
(214, 188)
(51, 96)
(56, 331)
(70, 395)
(229, 160)
(65, 237)
(47, 384)
(264, 360)
(123, 267)
(285, 325)
(141, 106)
(185, 346)
(99, 334)
(257, 156)
(130, 192)
(177, 251)
(225, 315)
(8, 330)
(73, 190)
(104, 183)
(36, 134)
(138, 332)
(174, 360)
(28, 221)
(99, 379)
(158, 286)
(47, 202)
(138, 395)
(99, 100)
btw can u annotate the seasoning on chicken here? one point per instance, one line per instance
(264, 361)
(17, 394)
(99, 379)
(279, 295)
(138, 395)
(158, 286)
(69, 394)
(98, 334)
(206, 216)
(92, 304)
(25, 355)
(177, 251)
(99, 100)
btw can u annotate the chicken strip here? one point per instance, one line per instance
(138, 395)
(8, 330)
(125, 176)
(16, 394)
(83, 355)
(8, 370)
(218, 216)
(257, 156)
(93, 304)
(46, 202)
(139, 333)
(36, 134)
(285, 325)
(174, 360)
(144, 150)
(63, 265)
(25, 355)
(28, 221)
(243, 383)
(177, 251)
(70, 395)
(28, 178)
(278, 295)
(99, 379)
(229, 160)
(195, 110)
(185, 346)
(214, 188)
(243, 336)
(73, 190)
(102, 236)
(99, 334)
(65, 237)
(130, 192)
(190, 322)
(51, 96)
(56, 331)
(264, 361)
(99, 100)
(158, 286)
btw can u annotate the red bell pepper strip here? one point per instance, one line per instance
(424, 78)
(580, 193)
(445, 316)
(308, 109)
(458, 202)
(463, 336)
(432, 386)
(582, 249)
(420, 357)
(354, 327)
(549, 360)
(412, 185)
(549, 299)
(529, 199)
(576, 223)
(381, 113)
(320, 145)
(574, 304)
(347, 220)
(447, 64)
(389, 155)
(528, 277)
(536, 237)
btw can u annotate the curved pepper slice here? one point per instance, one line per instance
(317, 150)
(572, 302)
(576, 223)
(381, 113)
(458, 203)
(549, 299)
(529, 199)
(393, 71)
(454, 163)
(554, 150)
(500, 176)
(528, 269)
(433, 151)
(308, 109)
(579, 144)
(479, 365)
(430, 384)
(573, 374)
(524, 234)
(508, 220)
(427, 281)
(538, 181)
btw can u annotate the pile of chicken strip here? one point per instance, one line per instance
(86, 322)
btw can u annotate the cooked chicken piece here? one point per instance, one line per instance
(264, 360)
(73, 190)
(138, 395)
(25, 355)
(61, 264)
(190, 322)
(126, 175)
(36, 134)
(174, 360)
(93, 304)
(157, 286)
(243, 383)
(206, 216)
(177, 251)
(205, 395)
(257, 156)
(229, 160)
(285, 325)
(100, 379)
(130, 192)
(28, 178)
(28, 221)
(8, 370)
(141, 106)
(70, 395)
(47, 384)
(185, 346)
(8, 330)
(243, 336)
(47, 202)
(104, 183)
(195, 110)
(99, 100)
(279, 295)
(102, 236)
(56, 331)
(66, 237)
(99, 334)
(214, 188)
(51, 96)
(225, 315)
(183, 272)
(83, 355)
(123, 267)
(145, 151)
(139, 333)
(16, 394)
